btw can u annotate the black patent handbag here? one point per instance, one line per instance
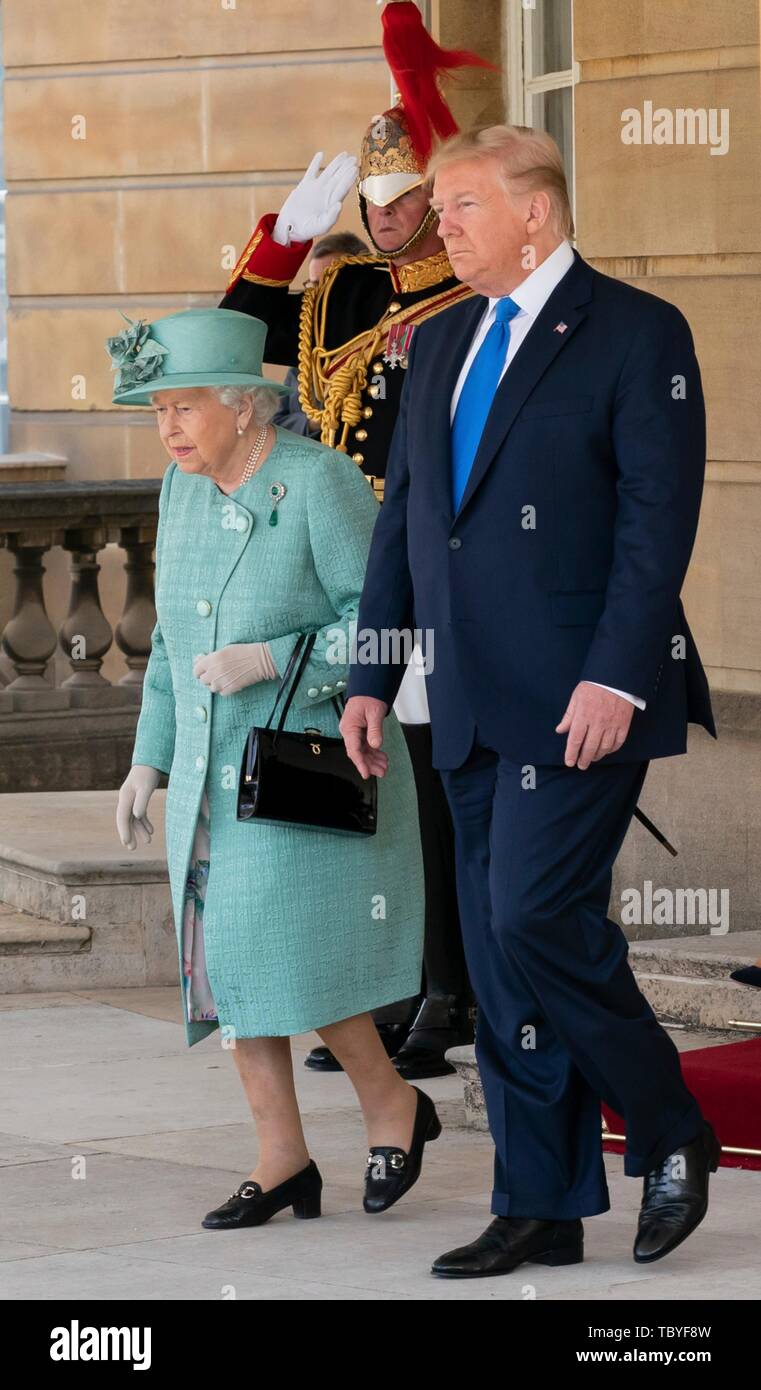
(303, 779)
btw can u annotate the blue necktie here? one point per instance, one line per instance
(477, 395)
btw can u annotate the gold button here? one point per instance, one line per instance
(361, 434)
(367, 411)
(377, 366)
(358, 458)
(373, 391)
(393, 307)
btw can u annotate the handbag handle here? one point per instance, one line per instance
(286, 676)
(308, 643)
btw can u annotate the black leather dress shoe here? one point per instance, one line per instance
(443, 1021)
(390, 1172)
(392, 1035)
(250, 1206)
(510, 1241)
(675, 1197)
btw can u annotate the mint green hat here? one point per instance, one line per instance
(197, 347)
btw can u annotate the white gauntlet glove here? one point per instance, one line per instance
(314, 205)
(134, 794)
(234, 667)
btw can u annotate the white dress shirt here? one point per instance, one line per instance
(531, 295)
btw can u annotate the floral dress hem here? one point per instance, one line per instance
(199, 1000)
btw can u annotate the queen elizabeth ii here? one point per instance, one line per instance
(264, 536)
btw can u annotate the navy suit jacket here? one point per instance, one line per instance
(566, 557)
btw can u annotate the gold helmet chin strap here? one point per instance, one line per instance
(417, 236)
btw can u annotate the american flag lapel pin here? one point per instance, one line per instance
(560, 327)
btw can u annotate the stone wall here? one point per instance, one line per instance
(686, 225)
(197, 117)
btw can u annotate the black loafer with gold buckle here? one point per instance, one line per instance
(390, 1172)
(250, 1206)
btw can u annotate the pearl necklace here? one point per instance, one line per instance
(253, 458)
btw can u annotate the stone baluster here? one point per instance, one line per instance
(29, 638)
(133, 631)
(82, 518)
(86, 634)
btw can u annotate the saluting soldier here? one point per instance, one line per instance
(348, 337)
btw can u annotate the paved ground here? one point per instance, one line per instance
(115, 1139)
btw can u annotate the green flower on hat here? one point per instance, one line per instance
(134, 354)
(189, 350)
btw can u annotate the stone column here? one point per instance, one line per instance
(133, 631)
(29, 638)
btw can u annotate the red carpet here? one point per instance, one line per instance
(726, 1082)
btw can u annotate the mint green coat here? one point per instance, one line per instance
(301, 928)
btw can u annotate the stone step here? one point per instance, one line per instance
(31, 949)
(103, 912)
(698, 1003)
(23, 934)
(686, 980)
(701, 957)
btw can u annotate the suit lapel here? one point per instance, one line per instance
(540, 347)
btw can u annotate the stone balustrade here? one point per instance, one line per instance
(82, 518)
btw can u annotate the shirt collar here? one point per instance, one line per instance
(533, 292)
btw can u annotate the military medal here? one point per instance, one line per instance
(398, 344)
(277, 493)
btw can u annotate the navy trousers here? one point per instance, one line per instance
(562, 1022)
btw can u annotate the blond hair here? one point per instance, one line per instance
(528, 160)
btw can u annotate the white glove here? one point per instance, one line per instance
(134, 794)
(233, 668)
(314, 205)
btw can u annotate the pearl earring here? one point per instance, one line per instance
(240, 431)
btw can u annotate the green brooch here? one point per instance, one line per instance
(277, 493)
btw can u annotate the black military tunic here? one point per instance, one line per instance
(360, 319)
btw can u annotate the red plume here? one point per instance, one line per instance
(416, 61)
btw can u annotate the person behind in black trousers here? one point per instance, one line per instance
(542, 500)
(325, 252)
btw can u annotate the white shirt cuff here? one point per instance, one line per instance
(635, 699)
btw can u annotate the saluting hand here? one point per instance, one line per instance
(314, 205)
